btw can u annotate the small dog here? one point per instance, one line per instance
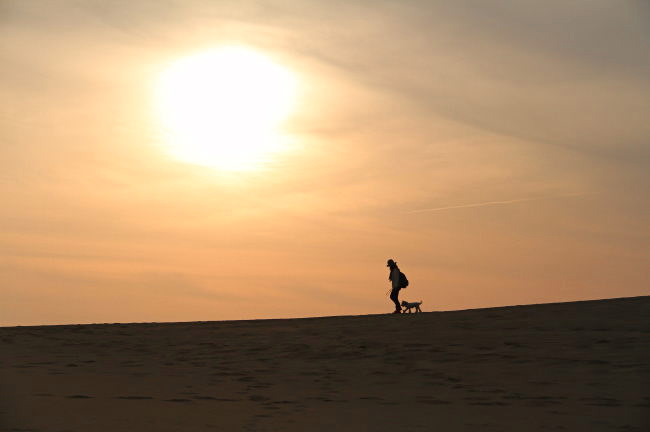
(408, 306)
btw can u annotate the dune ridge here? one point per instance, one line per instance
(559, 366)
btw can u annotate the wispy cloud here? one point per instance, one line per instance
(492, 203)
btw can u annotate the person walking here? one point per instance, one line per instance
(394, 279)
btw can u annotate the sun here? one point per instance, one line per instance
(224, 107)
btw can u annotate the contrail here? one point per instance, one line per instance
(490, 203)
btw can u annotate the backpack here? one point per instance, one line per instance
(403, 282)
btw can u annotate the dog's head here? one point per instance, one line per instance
(405, 303)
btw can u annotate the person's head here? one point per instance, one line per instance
(391, 263)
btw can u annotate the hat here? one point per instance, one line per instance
(390, 262)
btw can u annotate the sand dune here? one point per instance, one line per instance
(580, 366)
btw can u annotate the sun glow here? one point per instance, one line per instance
(225, 107)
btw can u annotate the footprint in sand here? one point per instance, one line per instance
(601, 401)
(135, 397)
(258, 398)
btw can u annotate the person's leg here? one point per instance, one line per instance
(394, 297)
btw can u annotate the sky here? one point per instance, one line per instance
(498, 151)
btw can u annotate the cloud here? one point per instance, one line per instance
(493, 203)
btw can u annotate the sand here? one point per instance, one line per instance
(580, 366)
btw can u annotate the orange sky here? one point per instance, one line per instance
(500, 153)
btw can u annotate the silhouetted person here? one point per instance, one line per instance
(393, 277)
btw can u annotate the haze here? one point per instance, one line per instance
(498, 151)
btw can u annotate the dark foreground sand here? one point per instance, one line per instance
(580, 366)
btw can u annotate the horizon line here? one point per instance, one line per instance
(323, 316)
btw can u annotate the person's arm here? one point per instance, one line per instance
(394, 277)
